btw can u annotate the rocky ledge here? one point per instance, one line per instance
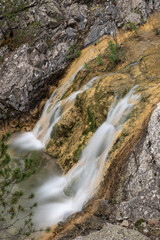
(53, 35)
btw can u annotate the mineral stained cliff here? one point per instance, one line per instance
(32, 66)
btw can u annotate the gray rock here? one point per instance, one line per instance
(71, 22)
(145, 231)
(125, 223)
(134, 18)
(140, 193)
(114, 232)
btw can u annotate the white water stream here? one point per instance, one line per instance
(61, 195)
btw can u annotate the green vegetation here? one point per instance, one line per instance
(132, 27)
(73, 52)
(157, 31)
(105, 69)
(116, 53)
(99, 60)
(136, 11)
(20, 37)
(3, 114)
(12, 211)
(90, 120)
(86, 66)
(78, 151)
(9, 11)
(138, 223)
(14, 33)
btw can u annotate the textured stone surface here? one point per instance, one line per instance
(25, 71)
(114, 232)
(61, 24)
(140, 193)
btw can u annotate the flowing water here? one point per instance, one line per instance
(63, 195)
(54, 109)
(58, 195)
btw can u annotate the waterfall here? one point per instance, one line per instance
(64, 195)
(54, 109)
(61, 195)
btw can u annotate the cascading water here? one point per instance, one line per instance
(60, 196)
(54, 109)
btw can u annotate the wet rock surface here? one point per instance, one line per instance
(77, 126)
(55, 26)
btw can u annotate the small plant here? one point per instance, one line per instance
(136, 11)
(99, 60)
(12, 210)
(86, 66)
(132, 27)
(104, 69)
(3, 114)
(73, 52)
(9, 11)
(90, 120)
(157, 31)
(139, 222)
(116, 53)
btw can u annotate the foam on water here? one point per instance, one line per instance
(26, 141)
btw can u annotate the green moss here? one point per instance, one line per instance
(20, 37)
(138, 223)
(115, 52)
(132, 27)
(99, 60)
(78, 151)
(86, 66)
(73, 52)
(55, 132)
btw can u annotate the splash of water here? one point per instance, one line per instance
(61, 196)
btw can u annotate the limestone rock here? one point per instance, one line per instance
(114, 232)
(54, 27)
(125, 223)
(140, 191)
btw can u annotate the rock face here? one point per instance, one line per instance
(53, 27)
(114, 232)
(140, 193)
